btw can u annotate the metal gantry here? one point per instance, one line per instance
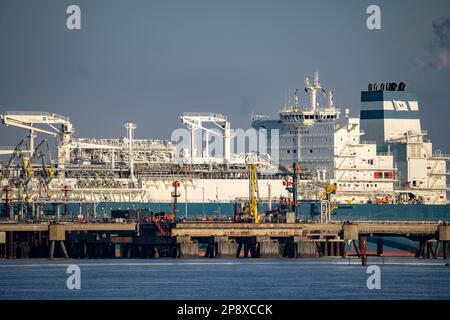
(195, 121)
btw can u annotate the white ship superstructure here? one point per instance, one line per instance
(381, 157)
(101, 170)
(390, 117)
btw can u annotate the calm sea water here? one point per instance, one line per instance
(401, 278)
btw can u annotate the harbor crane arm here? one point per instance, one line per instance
(195, 121)
(30, 120)
(195, 125)
(6, 151)
(12, 122)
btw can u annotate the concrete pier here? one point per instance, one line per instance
(306, 249)
(188, 250)
(267, 248)
(221, 239)
(226, 248)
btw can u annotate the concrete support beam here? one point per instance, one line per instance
(227, 249)
(268, 248)
(379, 247)
(350, 231)
(343, 248)
(2, 251)
(183, 239)
(186, 247)
(51, 252)
(444, 232)
(306, 249)
(64, 250)
(221, 238)
(188, 250)
(57, 232)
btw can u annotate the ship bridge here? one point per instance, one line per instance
(293, 115)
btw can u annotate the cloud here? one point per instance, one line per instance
(438, 56)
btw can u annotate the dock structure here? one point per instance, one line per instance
(314, 239)
(216, 239)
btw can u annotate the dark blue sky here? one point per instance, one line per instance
(148, 61)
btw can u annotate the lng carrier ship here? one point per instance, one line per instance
(375, 163)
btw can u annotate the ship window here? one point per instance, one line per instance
(295, 151)
(288, 151)
(370, 161)
(310, 150)
(414, 183)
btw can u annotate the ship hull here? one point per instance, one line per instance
(199, 210)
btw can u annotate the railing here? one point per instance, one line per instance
(259, 117)
(302, 111)
(162, 228)
(441, 156)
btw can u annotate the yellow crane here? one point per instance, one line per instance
(253, 193)
(329, 189)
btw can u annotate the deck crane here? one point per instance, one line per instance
(253, 197)
(27, 168)
(17, 153)
(194, 122)
(6, 151)
(253, 193)
(330, 206)
(24, 176)
(47, 172)
(33, 122)
(329, 189)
